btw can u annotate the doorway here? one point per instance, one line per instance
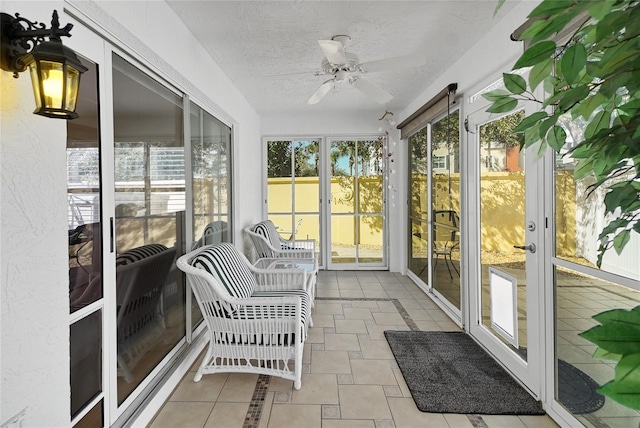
(506, 266)
(356, 205)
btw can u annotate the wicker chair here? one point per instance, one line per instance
(257, 320)
(268, 243)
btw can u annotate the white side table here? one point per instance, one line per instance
(310, 265)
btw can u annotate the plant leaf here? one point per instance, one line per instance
(503, 105)
(550, 7)
(600, 121)
(496, 94)
(628, 372)
(535, 54)
(590, 104)
(600, 9)
(539, 72)
(601, 354)
(530, 120)
(629, 399)
(621, 240)
(615, 337)
(573, 62)
(556, 137)
(514, 83)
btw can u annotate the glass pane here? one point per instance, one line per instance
(418, 204)
(83, 195)
(419, 256)
(580, 213)
(418, 164)
(343, 239)
(93, 419)
(578, 298)
(149, 223)
(370, 248)
(445, 200)
(279, 177)
(370, 174)
(307, 188)
(86, 360)
(502, 212)
(343, 198)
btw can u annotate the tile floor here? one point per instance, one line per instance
(350, 378)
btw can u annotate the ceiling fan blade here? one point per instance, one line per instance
(379, 95)
(321, 92)
(412, 60)
(334, 51)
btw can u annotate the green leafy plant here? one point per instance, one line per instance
(593, 75)
(618, 339)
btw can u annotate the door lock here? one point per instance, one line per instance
(531, 226)
(531, 247)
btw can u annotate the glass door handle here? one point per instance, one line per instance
(530, 247)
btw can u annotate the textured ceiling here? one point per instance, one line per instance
(269, 49)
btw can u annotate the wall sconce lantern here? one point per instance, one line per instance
(55, 69)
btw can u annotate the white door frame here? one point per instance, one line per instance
(529, 373)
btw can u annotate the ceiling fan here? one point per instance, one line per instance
(346, 67)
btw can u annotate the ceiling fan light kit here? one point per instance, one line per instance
(346, 67)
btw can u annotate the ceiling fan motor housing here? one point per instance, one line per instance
(350, 67)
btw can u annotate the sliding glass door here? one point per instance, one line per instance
(356, 204)
(434, 208)
(149, 169)
(293, 189)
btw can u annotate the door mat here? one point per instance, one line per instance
(448, 372)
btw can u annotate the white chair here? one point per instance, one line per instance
(257, 320)
(269, 244)
(214, 233)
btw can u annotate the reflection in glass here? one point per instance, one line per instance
(83, 195)
(580, 213)
(149, 222)
(210, 149)
(418, 204)
(578, 298)
(445, 206)
(86, 360)
(502, 212)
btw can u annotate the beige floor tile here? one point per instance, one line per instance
(207, 389)
(401, 383)
(363, 402)
(278, 384)
(182, 414)
(376, 350)
(341, 342)
(306, 353)
(330, 362)
(351, 293)
(426, 325)
(266, 410)
(372, 372)
(295, 416)
(357, 314)
(458, 421)
(350, 326)
(349, 285)
(503, 421)
(388, 318)
(317, 389)
(374, 294)
(386, 306)
(406, 414)
(323, 320)
(238, 388)
(315, 335)
(328, 308)
(376, 332)
(328, 423)
(328, 292)
(540, 421)
(227, 415)
(364, 304)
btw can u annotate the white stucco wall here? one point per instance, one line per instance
(34, 329)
